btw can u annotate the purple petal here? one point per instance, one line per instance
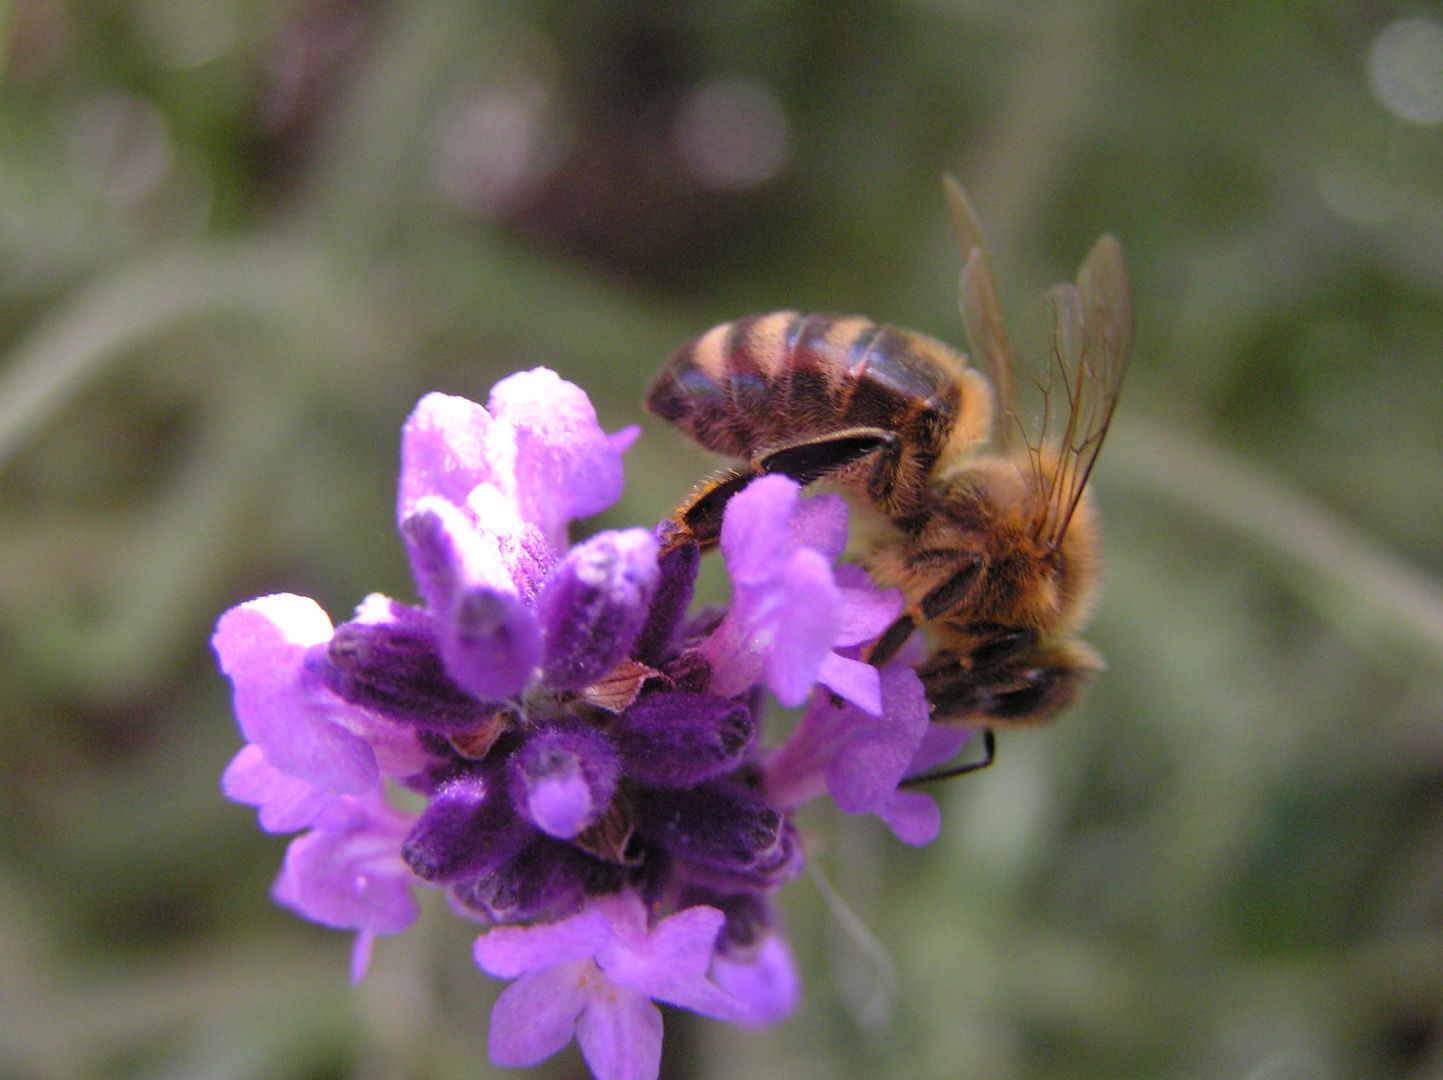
(443, 452)
(766, 983)
(859, 683)
(866, 609)
(509, 951)
(806, 626)
(561, 806)
(361, 955)
(875, 757)
(796, 771)
(620, 1036)
(914, 817)
(941, 743)
(347, 872)
(671, 963)
(536, 1016)
(564, 465)
(595, 605)
(820, 523)
(621, 441)
(755, 532)
(281, 706)
(286, 802)
(736, 650)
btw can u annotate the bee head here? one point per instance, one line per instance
(990, 515)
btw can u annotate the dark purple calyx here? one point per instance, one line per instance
(548, 879)
(469, 828)
(720, 824)
(395, 669)
(594, 606)
(676, 580)
(748, 916)
(674, 740)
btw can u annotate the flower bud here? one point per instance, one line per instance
(595, 604)
(674, 740)
(563, 778)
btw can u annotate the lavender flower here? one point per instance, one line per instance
(587, 758)
(596, 975)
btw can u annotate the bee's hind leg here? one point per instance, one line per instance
(806, 461)
(819, 456)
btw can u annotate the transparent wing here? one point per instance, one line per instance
(1091, 334)
(981, 311)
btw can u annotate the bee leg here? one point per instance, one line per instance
(989, 755)
(940, 600)
(892, 639)
(805, 461)
(700, 517)
(946, 596)
(809, 460)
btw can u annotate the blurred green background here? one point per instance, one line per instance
(238, 239)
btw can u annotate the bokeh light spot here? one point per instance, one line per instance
(732, 133)
(1405, 67)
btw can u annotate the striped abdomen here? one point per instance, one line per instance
(772, 380)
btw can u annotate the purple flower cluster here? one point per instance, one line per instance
(594, 787)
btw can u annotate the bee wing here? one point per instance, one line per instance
(1091, 334)
(981, 311)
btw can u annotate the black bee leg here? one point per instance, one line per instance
(940, 600)
(805, 461)
(700, 517)
(892, 639)
(989, 755)
(946, 596)
(809, 460)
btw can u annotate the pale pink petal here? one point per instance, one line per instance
(283, 707)
(859, 683)
(509, 951)
(563, 466)
(361, 955)
(621, 441)
(914, 817)
(536, 1015)
(620, 1037)
(286, 802)
(820, 523)
(347, 872)
(767, 983)
(755, 535)
(443, 451)
(807, 622)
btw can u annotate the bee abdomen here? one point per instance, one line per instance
(771, 379)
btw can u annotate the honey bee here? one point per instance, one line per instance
(990, 536)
